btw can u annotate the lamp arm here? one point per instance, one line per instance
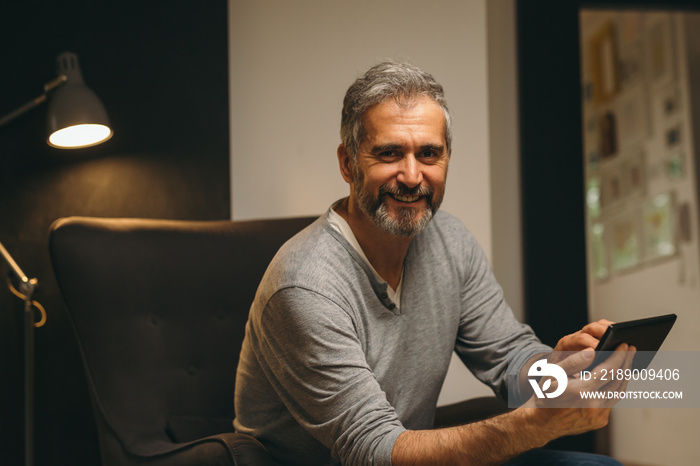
(48, 87)
(27, 285)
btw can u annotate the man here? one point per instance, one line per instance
(352, 329)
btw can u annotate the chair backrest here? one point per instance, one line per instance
(159, 309)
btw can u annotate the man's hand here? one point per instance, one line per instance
(570, 413)
(587, 337)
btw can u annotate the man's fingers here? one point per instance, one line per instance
(577, 361)
(587, 337)
(576, 342)
(620, 359)
(620, 383)
(586, 340)
(597, 329)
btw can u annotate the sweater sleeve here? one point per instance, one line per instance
(491, 342)
(308, 349)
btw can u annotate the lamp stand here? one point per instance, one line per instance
(29, 378)
(27, 287)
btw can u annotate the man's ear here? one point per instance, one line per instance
(345, 163)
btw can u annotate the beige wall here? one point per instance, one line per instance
(290, 64)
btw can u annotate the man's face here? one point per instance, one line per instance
(399, 177)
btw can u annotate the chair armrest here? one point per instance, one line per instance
(247, 451)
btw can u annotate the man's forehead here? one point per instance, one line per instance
(420, 113)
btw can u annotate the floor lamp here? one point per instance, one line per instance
(76, 118)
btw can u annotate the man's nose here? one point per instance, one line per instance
(410, 173)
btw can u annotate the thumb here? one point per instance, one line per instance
(577, 361)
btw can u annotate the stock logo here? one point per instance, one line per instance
(543, 369)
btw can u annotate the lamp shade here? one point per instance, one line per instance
(76, 116)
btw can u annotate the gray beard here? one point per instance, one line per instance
(408, 222)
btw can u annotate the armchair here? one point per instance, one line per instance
(159, 310)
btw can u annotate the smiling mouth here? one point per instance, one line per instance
(405, 198)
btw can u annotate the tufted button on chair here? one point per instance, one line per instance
(159, 310)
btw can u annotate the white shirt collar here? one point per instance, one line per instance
(336, 221)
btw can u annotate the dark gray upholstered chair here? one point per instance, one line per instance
(159, 309)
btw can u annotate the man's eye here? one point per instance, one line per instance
(389, 154)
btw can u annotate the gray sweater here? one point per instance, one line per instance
(331, 370)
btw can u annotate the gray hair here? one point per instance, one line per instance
(390, 79)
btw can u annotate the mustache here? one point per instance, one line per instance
(403, 190)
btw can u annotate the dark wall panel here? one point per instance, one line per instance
(552, 168)
(161, 70)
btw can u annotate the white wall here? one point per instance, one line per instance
(290, 64)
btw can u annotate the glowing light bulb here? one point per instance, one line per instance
(80, 136)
